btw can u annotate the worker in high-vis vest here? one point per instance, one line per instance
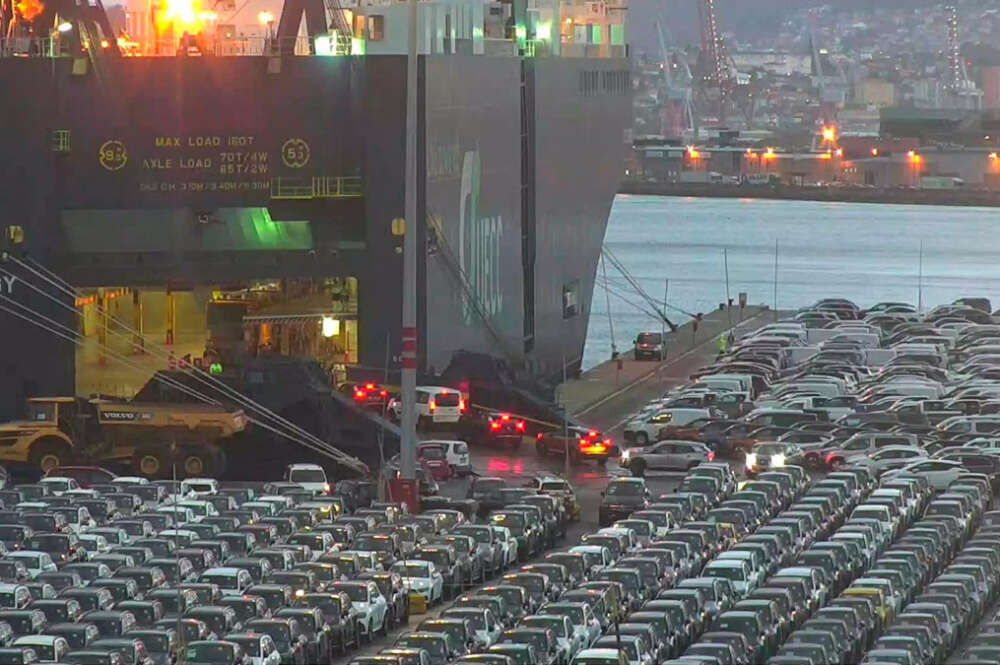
(723, 344)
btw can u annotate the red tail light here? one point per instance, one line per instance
(829, 458)
(359, 394)
(607, 442)
(505, 417)
(384, 393)
(711, 455)
(592, 434)
(369, 386)
(519, 426)
(584, 443)
(431, 405)
(538, 437)
(461, 404)
(494, 425)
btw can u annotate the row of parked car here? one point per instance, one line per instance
(836, 385)
(103, 570)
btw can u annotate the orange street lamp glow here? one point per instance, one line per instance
(829, 134)
(265, 17)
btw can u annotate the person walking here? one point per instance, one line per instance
(723, 345)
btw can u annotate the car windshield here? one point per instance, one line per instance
(447, 399)
(251, 645)
(358, 593)
(554, 486)
(279, 632)
(434, 645)
(432, 452)
(155, 643)
(210, 653)
(769, 449)
(512, 521)
(49, 543)
(373, 543)
(699, 483)
(648, 338)
(412, 569)
(489, 485)
(624, 489)
(307, 476)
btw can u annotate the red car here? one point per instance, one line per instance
(434, 458)
(583, 444)
(367, 395)
(503, 428)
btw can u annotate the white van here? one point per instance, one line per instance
(435, 404)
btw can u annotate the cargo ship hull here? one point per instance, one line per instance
(181, 173)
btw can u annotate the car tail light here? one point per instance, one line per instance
(383, 393)
(494, 425)
(359, 394)
(607, 442)
(711, 455)
(519, 426)
(461, 404)
(538, 437)
(584, 443)
(829, 458)
(592, 434)
(505, 417)
(369, 386)
(431, 405)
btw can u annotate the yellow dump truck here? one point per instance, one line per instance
(151, 438)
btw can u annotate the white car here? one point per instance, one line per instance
(368, 602)
(312, 477)
(508, 545)
(456, 454)
(180, 514)
(129, 480)
(78, 518)
(201, 509)
(36, 562)
(48, 648)
(195, 487)
(231, 580)
(485, 625)
(940, 473)
(58, 485)
(421, 577)
(600, 555)
(888, 458)
(95, 543)
(260, 644)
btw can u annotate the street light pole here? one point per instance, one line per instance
(408, 379)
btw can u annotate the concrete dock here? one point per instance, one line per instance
(605, 395)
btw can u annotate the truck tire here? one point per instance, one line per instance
(151, 462)
(48, 453)
(195, 462)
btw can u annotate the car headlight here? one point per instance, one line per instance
(778, 460)
(626, 454)
(751, 460)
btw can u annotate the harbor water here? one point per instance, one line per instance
(865, 252)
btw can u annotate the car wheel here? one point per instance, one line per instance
(642, 438)
(638, 468)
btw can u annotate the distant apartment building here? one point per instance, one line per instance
(875, 92)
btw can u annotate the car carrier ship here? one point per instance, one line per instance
(223, 190)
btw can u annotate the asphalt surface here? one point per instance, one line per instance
(609, 415)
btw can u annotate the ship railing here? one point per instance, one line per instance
(317, 187)
(46, 47)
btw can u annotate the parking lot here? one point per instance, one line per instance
(820, 494)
